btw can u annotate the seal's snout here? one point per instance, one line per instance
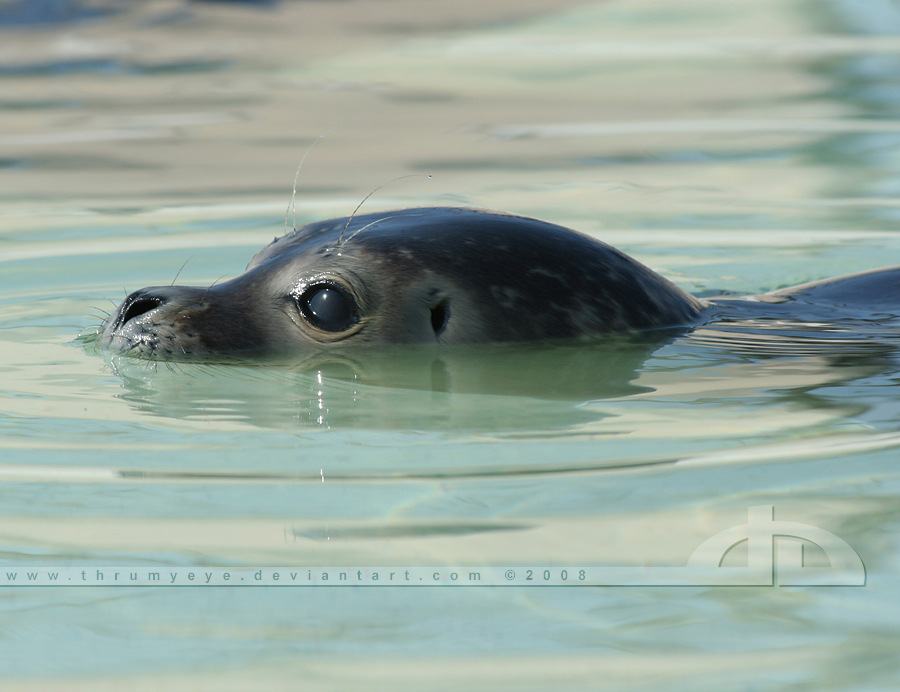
(137, 304)
(154, 321)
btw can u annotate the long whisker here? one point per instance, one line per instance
(291, 208)
(210, 287)
(180, 270)
(349, 220)
(383, 218)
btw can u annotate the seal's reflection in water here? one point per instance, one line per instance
(534, 387)
(399, 387)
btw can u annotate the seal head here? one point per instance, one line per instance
(415, 276)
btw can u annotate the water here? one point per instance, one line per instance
(735, 147)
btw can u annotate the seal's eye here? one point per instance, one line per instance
(327, 307)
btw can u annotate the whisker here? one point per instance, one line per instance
(292, 209)
(180, 270)
(210, 287)
(349, 220)
(383, 218)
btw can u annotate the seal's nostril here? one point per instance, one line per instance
(139, 307)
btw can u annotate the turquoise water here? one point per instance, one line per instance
(735, 147)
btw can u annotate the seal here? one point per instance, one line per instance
(448, 276)
(415, 276)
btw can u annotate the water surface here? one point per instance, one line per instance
(735, 147)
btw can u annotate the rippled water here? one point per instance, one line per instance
(735, 147)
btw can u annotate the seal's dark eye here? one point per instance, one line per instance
(327, 307)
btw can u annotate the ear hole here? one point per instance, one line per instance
(439, 315)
